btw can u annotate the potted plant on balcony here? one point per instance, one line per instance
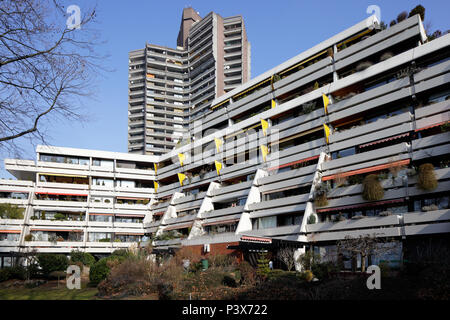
(372, 189)
(28, 237)
(320, 198)
(427, 178)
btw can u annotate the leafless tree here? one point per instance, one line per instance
(364, 246)
(47, 67)
(287, 256)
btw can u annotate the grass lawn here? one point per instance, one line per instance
(48, 292)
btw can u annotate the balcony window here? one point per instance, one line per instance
(9, 236)
(103, 182)
(265, 223)
(13, 195)
(215, 229)
(99, 237)
(100, 217)
(57, 236)
(58, 216)
(61, 197)
(430, 203)
(63, 179)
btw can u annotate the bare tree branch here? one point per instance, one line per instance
(46, 68)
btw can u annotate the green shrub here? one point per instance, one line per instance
(28, 237)
(5, 274)
(104, 240)
(312, 219)
(263, 265)
(322, 270)
(85, 258)
(372, 189)
(52, 262)
(16, 272)
(99, 271)
(59, 216)
(11, 211)
(418, 10)
(427, 178)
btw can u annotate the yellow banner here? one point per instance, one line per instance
(265, 126)
(181, 157)
(218, 167)
(156, 168)
(326, 102)
(327, 132)
(219, 142)
(181, 177)
(156, 186)
(264, 151)
(274, 104)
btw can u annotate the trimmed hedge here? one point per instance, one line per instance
(52, 262)
(85, 258)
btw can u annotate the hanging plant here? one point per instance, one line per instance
(372, 189)
(427, 178)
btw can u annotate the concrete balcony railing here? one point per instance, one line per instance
(223, 212)
(57, 223)
(368, 222)
(19, 202)
(58, 244)
(11, 222)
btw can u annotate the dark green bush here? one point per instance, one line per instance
(5, 274)
(323, 270)
(372, 189)
(11, 211)
(99, 271)
(52, 262)
(229, 281)
(85, 258)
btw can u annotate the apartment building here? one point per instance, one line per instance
(363, 102)
(170, 88)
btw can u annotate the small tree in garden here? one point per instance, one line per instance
(364, 247)
(427, 178)
(263, 265)
(287, 256)
(372, 189)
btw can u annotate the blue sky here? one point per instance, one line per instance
(277, 30)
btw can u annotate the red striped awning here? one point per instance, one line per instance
(63, 194)
(58, 230)
(361, 205)
(130, 215)
(220, 222)
(256, 239)
(129, 233)
(180, 226)
(433, 125)
(366, 170)
(160, 213)
(384, 140)
(9, 231)
(294, 162)
(14, 191)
